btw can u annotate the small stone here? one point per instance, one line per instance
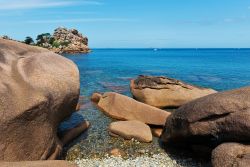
(142, 151)
(116, 152)
(78, 107)
(96, 97)
(157, 131)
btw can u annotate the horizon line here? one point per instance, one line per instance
(172, 48)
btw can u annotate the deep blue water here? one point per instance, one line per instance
(111, 69)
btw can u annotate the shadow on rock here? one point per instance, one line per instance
(72, 131)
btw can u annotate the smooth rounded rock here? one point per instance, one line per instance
(96, 97)
(125, 108)
(116, 152)
(38, 90)
(131, 129)
(157, 131)
(216, 118)
(165, 92)
(231, 154)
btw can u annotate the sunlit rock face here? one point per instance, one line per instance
(38, 89)
(164, 92)
(216, 118)
(70, 41)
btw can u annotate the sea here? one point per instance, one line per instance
(105, 70)
(220, 69)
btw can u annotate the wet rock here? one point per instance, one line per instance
(214, 119)
(231, 154)
(37, 164)
(96, 97)
(78, 107)
(131, 129)
(125, 108)
(165, 92)
(74, 132)
(113, 134)
(38, 90)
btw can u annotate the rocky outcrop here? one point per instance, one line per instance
(231, 154)
(38, 90)
(131, 129)
(216, 118)
(69, 41)
(165, 92)
(125, 108)
(64, 41)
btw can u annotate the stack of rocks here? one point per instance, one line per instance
(70, 41)
(134, 117)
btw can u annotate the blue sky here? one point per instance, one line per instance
(134, 23)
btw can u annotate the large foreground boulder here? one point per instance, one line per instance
(37, 164)
(131, 129)
(38, 89)
(125, 108)
(165, 92)
(231, 155)
(216, 118)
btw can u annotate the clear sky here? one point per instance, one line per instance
(134, 23)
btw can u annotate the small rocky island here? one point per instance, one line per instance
(62, 41)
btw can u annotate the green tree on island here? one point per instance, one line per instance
(43, 38)
(28, 40)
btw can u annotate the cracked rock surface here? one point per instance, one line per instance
(164, 92)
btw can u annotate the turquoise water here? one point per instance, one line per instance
(111, 70)
(221, 69)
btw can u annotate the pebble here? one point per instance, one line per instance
(157, 160)
(116, 152)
